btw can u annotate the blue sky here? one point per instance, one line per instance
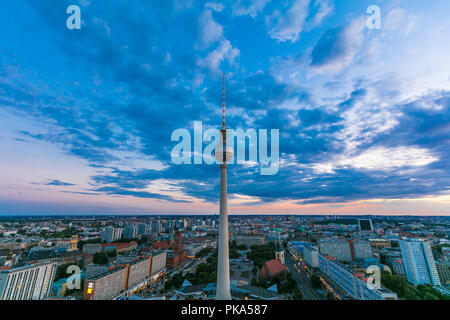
(86, 115)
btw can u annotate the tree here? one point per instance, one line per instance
(101, 258)
(298, 294)
(61, 272)
(261, 253)
(203, 252)
(395, 244)
(112, 253)
(404, 290)
(176, 282)
(316, 282)
(254, 270)
(288, 285)
(234, 254)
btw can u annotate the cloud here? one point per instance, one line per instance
(287, 26)
(399, 21)
(249, 7)
(209, 30)
(218, 7)
(324, 9)
(137, 194)
(338, 46)
(58, 183)
(225, 51)
(381, 159)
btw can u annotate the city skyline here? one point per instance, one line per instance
(86, 115)
(179, 258)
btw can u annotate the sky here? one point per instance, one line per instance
(86, 116)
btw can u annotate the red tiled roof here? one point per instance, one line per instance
(273, 267)
(119, 245)
(161, 245)
(5, 268)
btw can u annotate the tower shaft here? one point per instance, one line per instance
(223, 264)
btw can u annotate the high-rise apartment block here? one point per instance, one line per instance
(130, 232)
(141, 229)
(31, 282)
(419, 263)
(111, 234)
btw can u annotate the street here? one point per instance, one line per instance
(302, 279)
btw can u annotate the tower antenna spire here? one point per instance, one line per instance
(223, 102)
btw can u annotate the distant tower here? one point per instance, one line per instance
(279, 253)
(177, 246)
(223, 154)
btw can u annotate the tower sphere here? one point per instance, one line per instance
(220, 152)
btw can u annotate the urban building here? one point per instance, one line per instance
(395, 262)
(311, 255)
(158, 264)
(419, 263)
(194, 249)
(157, 227)
(105, 286)
(337, 248)
(130, 232)
(361, 249)
(346, 250)
(353, 284)
(93, 270)
(141, 229)
(365, 225)
(177, 256)
(443, 268)
(31, 282)
(273, 269)
(120, 247)
(138, 271)
(296, 248)
(446, 253)
(92, 248)
(73, 244)
(380, 243)
(279, 251)
(111, 234)
(250, 240)
(244, 292)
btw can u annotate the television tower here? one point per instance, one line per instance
(223, 154)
